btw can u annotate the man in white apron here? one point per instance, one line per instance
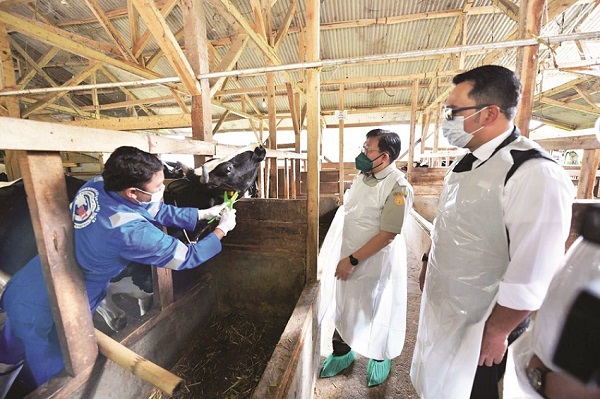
(370, 316)
(558, 357)
(503, 218)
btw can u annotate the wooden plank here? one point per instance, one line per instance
(20, 134)
(44, 179)
(585, 142)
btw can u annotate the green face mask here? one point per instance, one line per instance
(363, 163)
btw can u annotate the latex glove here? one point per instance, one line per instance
(227, 222)
(211, 212)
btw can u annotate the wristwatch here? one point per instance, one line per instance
(537, 379)
(353, 260)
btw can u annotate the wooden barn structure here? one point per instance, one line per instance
(83, 77)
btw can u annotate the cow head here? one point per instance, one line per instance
(236, 172)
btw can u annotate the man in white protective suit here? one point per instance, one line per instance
(370, 317)
(498, 238)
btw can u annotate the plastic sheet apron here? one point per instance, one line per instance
(582, 267)
(371, 305)
(469, 256)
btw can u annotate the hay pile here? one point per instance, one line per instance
(228, 357)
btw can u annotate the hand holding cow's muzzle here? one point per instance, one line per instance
(227, 222)
(211, 212)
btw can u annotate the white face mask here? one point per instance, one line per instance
(155, 197)
(454, 130)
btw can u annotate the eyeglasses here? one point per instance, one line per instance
(448, 112)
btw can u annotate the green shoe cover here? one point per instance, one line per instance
(334, 365)
(377, 372)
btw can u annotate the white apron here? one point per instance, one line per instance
(469, 256)
(581, 268)
(371, 305)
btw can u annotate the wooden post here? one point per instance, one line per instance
(274, 174)
(413, 123)
(530, 22)
(313, 100)
(341, 146)
(49, 207)
(8, 79)
(293, 192)
(587, 176)
(196, 45)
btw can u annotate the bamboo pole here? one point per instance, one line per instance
(139, 366)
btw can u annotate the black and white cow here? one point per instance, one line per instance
(200, 188)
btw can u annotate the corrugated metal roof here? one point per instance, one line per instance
(370, 28)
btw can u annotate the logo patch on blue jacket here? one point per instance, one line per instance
(85, 207)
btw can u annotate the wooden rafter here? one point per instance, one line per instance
(110, 29)
(229, 60)
(40, 71)
(227, 7)
(140, 45)
(80, 77)
(159, 28)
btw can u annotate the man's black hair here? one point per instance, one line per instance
(129, 167)
(388, 142)
(493, 84)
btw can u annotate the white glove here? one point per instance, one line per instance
(211, 212)
(227, 222)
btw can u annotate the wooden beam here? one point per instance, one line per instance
(587, 177)
(283, 30)
(35, 67)
(413, 126)
(228, 62)
(272, 114)
(508, 7)
(41, 62)
(341, 171)
(585, 142)
(110, 29)
(166, 40)
(530, 24)
(313, 100)
(227, 7)
(220, 122)
(22, 134)
(44, 178)
(165, 9)
(197, 53)
(83, 75)
(571, 106)
(63, 40)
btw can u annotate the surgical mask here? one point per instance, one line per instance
(155, 197)
(363, 163)
(454, 130)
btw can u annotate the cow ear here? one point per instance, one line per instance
(184, 168)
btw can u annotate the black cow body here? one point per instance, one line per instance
(200, 188)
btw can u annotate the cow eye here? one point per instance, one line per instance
(229, 168)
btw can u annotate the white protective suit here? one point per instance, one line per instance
(468, 258)
(371, 304)
(582, 267)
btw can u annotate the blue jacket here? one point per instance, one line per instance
(110, 232)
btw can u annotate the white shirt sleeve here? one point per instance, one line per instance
(537, 205)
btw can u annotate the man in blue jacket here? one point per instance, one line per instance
(117, 219)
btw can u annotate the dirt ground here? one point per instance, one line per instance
(352, 383)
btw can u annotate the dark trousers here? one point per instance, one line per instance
(485, 384)
(340, 348)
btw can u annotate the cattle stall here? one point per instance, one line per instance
(260, 274)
